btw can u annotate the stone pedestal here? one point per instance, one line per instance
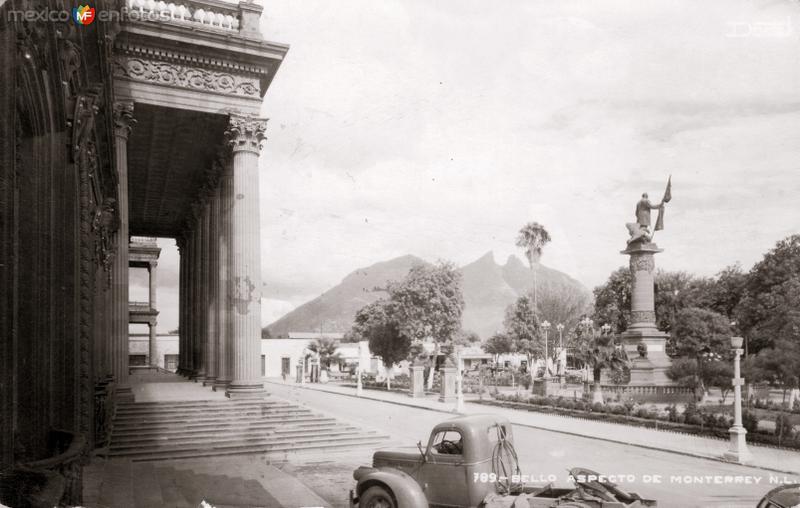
(448, 393)
(545, 386)
(417, 381)
(651, 368)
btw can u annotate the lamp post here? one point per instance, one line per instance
(605, 328)
(587, 324)
(546, 327)
(738, 451)
(560, 328)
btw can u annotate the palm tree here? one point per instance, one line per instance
(533, 237)
(326, 349)
(601, 353)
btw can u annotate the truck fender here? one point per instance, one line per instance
(405, 489)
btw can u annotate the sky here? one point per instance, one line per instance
(438, 129)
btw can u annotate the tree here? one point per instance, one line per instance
(499, 344)
(265, 334)
(686, 372)
(763, 298)
(521, 325)
(718, 373)
(778, 365)
(390, 344)
(612, 300)
(602, 352)
(326, 350)
(533, 237)
(428, 302)
(563, 304)
(698, 331)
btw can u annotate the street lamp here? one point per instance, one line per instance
(587, 323)
(738, 451)
(560, 328)
(546, 327)
(605, 328)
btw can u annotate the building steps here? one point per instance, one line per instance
(203, 428)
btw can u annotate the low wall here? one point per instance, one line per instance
(649, 393)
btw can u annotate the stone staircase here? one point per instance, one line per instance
(200, 428)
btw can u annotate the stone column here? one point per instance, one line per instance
(180, 242)
(651, 368)
(211, 250)
(153, 349)
(245, 136)
(198, 309)
(123, 122)
(224, 344)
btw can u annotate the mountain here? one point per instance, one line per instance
(488, 288)
(333, 310)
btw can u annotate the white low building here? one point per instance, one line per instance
(166, 350)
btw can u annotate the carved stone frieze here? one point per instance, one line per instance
(123, 119)
(104, 225)
(642, 262)
(189, 77)
(643, 316)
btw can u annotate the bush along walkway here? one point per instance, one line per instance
(692, 420)
(772, 459)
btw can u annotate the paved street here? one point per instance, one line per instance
(542, 454)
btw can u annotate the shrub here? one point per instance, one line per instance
(672, 413)
(749, 421)
(783, 426)
(598, 407)
(629, 406)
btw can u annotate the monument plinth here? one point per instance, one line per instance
(644, 343)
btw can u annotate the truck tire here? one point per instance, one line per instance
(377, 497)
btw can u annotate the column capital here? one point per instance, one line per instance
(246, 133)
(123, 119)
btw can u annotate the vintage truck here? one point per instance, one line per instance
(470, 461)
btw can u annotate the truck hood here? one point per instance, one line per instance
(395, 455)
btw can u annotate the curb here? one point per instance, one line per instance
(537, 427)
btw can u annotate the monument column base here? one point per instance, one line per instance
(650, 369)
(417, 381)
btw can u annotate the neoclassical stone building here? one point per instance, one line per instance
(143, 122)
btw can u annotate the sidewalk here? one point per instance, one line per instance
(772, 459)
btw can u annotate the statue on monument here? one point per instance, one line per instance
(640, 230)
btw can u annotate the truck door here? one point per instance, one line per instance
(443, 474)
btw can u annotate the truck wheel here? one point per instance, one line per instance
(377, 497)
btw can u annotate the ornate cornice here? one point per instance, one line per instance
(123, 119)
(203, 61)
(246, 133)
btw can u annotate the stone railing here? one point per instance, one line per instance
(144, 240)
(208, 13)
(139, 306)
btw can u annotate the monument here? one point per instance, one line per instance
(644, 343)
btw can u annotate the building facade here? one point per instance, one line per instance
(141, 119)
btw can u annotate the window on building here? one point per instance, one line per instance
(171, 362)
(137, 360)
(263, 365)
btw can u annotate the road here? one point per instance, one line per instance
(544, 455)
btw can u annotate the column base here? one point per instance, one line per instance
(209, 380)
(198, 377)
(243, 390)
(220, 384)
(738, 452)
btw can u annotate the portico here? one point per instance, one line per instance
(189, 135)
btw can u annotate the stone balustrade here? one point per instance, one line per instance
(193, 12)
